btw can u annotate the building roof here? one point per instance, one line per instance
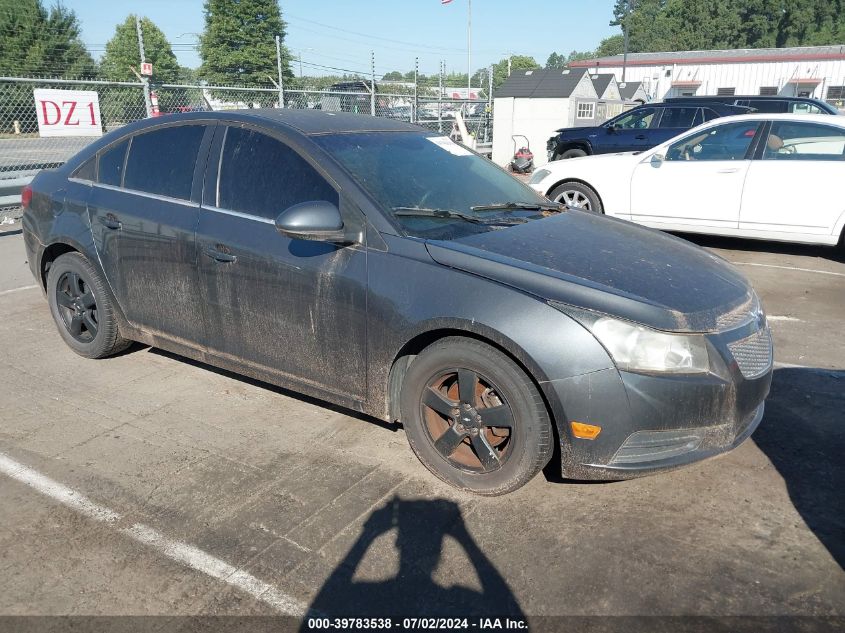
(629, 89)
(541, 82)
(743, 55)
(601, 82)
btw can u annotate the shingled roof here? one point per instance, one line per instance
(541, 83)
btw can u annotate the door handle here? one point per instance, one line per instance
(640, 137)
(730, 170)
(219, 254)
(110, 221)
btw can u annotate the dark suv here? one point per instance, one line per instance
(638, 129)
(765, 104)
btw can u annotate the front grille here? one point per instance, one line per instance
(753, 354)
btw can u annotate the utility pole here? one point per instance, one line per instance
(625, 39)
(509, 65)
(147, 101)
(469, 48)
(414, 113)
(372, 83)
(279, 71)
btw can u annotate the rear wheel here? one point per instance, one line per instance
(82, 308)
(578, 196)
(474, 418)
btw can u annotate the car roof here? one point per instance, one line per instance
(762, 97)
(698, 104)
(308, 122)
(812, 118)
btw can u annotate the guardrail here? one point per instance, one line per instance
(10, 189)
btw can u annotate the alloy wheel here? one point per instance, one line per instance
(77, 307)
(468, 420)
(576, 199)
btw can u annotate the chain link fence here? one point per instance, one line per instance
(24, 151)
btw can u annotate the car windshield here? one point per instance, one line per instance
(430, 185)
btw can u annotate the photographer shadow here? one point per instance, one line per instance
(421, 527)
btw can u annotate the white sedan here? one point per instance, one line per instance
(764, 176)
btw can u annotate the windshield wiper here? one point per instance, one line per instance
(527, 206)
(421, 212)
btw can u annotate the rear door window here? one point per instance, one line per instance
(163, 161)
(262, 176)
(111, 164)
(678, 117)
(768, 106)
(790, 140)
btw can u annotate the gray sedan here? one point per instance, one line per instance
(384, 268)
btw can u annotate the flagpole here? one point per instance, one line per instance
(469, 48)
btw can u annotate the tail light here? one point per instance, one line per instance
(26, 196)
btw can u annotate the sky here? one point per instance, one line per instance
(342, 33)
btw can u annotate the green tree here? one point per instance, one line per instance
(609, 46)
(38, 42)
(395, 75)
(556, 60)
(659, 25)
(238, 45)
(122, 53)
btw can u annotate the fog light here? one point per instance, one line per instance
(585, 431)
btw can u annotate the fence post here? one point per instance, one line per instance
(373, 83)
(414, 110)
(279, 70)
(147, 101)
(440, 100)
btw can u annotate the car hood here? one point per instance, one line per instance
(606, 265)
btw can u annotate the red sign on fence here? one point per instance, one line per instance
(68, 113)
(147, 69)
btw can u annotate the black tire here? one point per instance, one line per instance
(82, 308)
(573, 153)
(579, 195)
(501, 393)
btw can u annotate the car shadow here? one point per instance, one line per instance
(420, 528)
(832, 253)
(803, 435)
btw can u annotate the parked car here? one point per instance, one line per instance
(763, 104)
(636, 130)
(376, 265)
(774, 177)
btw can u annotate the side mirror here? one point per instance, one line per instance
(611, 129)
(316, 220)
(657, 160)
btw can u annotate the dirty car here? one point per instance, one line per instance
(384, 268)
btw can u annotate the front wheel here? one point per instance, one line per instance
(572, 153)
(474, 418)
(578, 196)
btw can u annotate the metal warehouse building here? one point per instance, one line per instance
(817, 71)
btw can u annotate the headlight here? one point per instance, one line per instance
(538, 176)
(640, 349)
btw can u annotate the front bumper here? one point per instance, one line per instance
(657, 422)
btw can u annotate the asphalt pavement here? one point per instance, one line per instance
(147, 484)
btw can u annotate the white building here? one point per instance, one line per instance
(535, 103)
(817, 71)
